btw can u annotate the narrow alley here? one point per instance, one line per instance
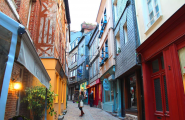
(91, 113)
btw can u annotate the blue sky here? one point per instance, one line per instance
(83, 10)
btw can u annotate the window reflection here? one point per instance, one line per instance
(181, 53)
(5, 41)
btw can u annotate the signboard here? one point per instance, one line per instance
(106, 84)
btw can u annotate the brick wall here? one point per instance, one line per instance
(24, 10)
(127, 58)
(18, 73)
(34, 20)
(12, 94)
(6, 10)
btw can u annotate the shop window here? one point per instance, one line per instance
(112, 92)
(107, 96)
(132, 94)
(125, 32)
(5, 41)
(99, 91)
(118, 45)
(181, 53)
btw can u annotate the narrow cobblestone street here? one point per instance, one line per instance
(91, 113)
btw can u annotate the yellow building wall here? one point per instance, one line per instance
(168, 8)
(58, 86)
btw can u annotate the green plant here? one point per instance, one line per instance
(35, 97)
(18, 118)
(119, 50)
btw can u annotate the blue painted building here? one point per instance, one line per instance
(83, 60)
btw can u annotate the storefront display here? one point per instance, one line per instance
(181, 53)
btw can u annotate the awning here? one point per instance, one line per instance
(29, 58)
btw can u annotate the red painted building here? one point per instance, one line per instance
(163, 67)
(96, 87)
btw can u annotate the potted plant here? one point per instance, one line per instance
(35, 97)
(119, 50)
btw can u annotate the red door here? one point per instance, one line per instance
(160, 89)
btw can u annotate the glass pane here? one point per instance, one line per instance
(158, 99)
(150, 9)
(181, 53)
(155, 2)
(107, 96)
(157, 9)
(166, 95)
(151, 17)
(133, 98)
(155, 66)
(162, 62)
(112, 92)
(5, 41)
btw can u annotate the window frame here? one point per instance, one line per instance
(156, 14)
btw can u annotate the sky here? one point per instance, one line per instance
(83, 10)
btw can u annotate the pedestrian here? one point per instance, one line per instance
(81, 98)
(91, 99)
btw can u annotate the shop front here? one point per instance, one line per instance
(163, 67)
(84, 89)
(96, 87)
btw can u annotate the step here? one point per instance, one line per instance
(64, 112)
(61, 117)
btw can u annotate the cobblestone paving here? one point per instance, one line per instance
(91, 113)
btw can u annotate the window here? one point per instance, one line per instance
(118, 46)
(5, 41)
(74, 58)
(72, 46)
(94, 64)
(181, 53)
(77, 41)
(115, 10)
(125, 32)
(69, 47)
(106, 50)
(73, 72)
(90, 72)
(102, 54)
(153, 11)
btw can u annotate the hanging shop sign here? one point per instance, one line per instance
(106, 84)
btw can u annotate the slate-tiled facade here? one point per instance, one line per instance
(127, 58)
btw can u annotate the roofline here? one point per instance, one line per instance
(93, 34)
(98, 10)
(67, 11)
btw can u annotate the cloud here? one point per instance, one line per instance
(83, 10)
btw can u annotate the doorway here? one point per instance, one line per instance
(158, 78)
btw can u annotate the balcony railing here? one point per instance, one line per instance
(103, 25)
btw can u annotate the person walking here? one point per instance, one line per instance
(81, 98)
(91, 99)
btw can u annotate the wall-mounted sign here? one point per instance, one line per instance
(106, 84)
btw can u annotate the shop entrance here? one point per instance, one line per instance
(160, 89)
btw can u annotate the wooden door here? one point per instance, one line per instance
(160, 89)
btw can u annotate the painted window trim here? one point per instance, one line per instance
(146, 18)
